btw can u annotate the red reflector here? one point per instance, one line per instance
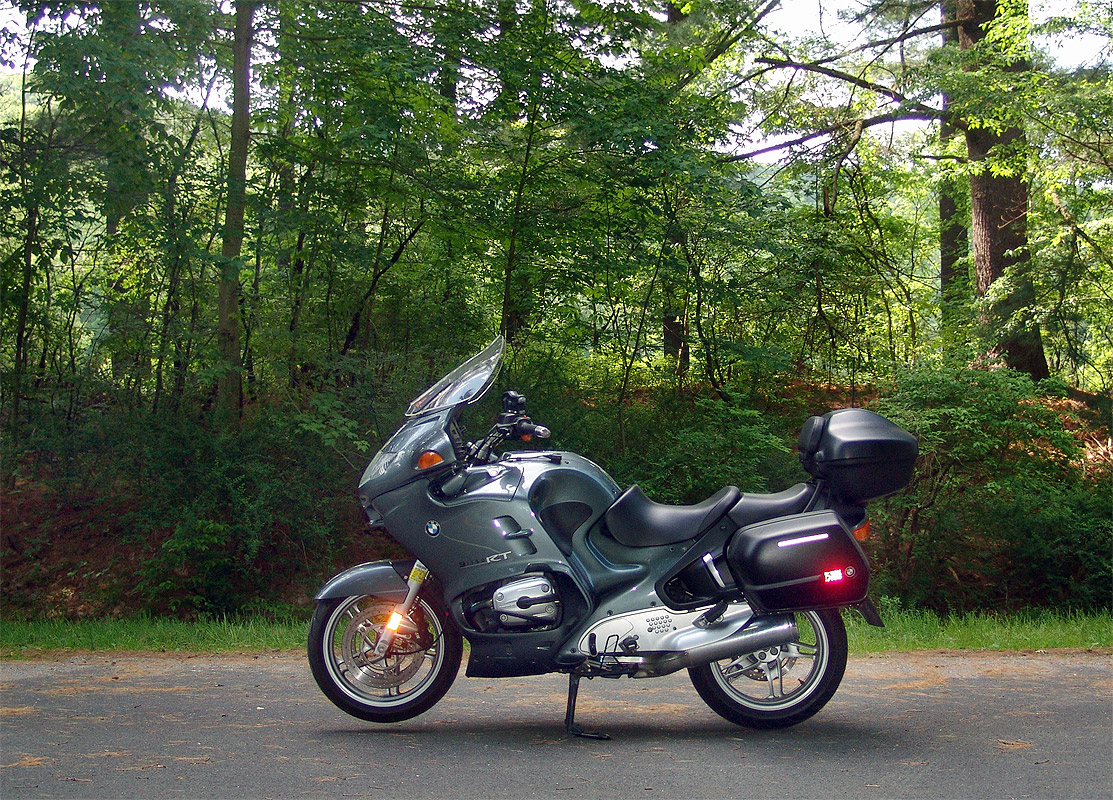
(862, 532)
(831, 576)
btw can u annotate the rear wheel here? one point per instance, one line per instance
(778, 686)
(415, 673)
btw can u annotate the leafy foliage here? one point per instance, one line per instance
(1004, 509)
(574, 175)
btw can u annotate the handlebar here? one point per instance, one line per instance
(512, 423)
(526, 429)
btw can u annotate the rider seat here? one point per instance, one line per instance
(636, 521)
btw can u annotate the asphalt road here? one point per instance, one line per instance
(922, 725)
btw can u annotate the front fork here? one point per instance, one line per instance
(399, 617)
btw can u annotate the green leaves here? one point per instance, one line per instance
(422, 176)
(1002, 508)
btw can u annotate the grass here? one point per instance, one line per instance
(21, 639)
(1033, 630)
(904, 630)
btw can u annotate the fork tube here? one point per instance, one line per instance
(418, 573)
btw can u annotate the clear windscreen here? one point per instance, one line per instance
(465, 384)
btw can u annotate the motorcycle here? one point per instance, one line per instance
(545, 565)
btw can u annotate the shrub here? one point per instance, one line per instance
(1000, 511)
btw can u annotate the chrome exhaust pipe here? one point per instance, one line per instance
(757, 634)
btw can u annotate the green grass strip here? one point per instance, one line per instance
(20, 639)
(1034, 630)
(904, 630)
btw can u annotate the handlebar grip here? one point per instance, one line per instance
(527, 428)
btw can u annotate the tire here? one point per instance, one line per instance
(778, 686)
(415, 673)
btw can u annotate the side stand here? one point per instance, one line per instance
(570, 727)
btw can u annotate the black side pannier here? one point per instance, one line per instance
(799, 562)
(860, 454)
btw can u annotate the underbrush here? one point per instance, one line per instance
(120, 513)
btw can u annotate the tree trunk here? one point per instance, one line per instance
(675, 331)
(954, 243)
(30, 246)
(516, 289)
(508, 100)
(448, 41)
(229, 384)
(126, 181)
(998, 220)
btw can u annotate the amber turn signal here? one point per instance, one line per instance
(862, 532)
(430, 458)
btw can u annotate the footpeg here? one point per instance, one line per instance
(712, 615)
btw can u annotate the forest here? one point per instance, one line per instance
(238, 236)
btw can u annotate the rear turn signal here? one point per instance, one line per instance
(429, 458)
(862, 532)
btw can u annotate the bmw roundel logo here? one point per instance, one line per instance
(432, 527)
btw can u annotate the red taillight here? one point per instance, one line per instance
(832, 576)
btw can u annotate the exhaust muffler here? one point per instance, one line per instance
(756, 634)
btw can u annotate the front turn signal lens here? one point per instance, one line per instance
(428, 459)
(862, 532)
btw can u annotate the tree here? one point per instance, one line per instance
(980, 100)
(999, 200)
(98, 86)
(229, 382)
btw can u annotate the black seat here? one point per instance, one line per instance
(636, 521)
(753, 508)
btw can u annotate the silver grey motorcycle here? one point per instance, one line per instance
(544, 564)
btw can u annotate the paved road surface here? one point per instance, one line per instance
(925, 725)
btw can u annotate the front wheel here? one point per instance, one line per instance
(782, 685)
(415, 673)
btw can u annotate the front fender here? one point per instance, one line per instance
(386, 579)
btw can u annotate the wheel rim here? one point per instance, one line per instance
(410, 666)
(781, 677)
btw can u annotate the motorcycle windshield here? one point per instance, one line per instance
(465, 384)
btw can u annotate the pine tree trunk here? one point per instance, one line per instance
(999, 221)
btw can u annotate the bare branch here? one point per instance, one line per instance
(895, 116)
(847, 77)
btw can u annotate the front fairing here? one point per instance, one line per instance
(396, 464)
(426, 428)
(512, 515)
